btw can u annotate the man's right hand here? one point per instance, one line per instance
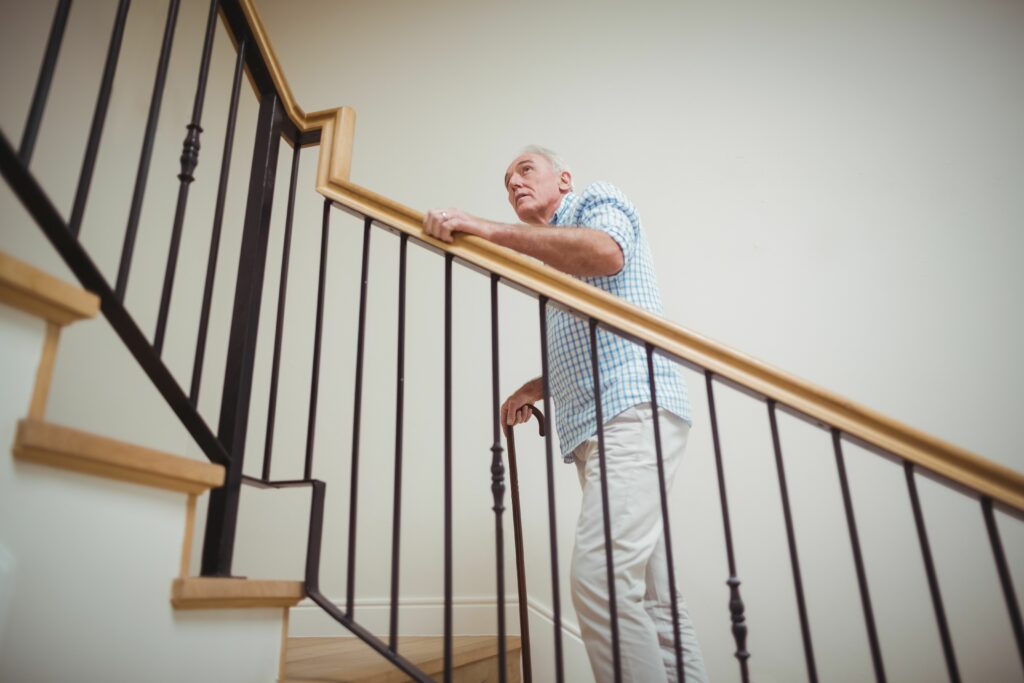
(516, 408)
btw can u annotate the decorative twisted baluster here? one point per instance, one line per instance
(189, 159)
(218, 221)
(739, 625)
(190, 152)
(497, 480)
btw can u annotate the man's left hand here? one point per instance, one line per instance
(442, 224)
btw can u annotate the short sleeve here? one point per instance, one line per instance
(604, 207)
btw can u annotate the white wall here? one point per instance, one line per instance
(828, 187)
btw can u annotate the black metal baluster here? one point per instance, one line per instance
(396, 520)
(613, 608)
(350, 587)
(497, 480)
(794, 559)
(314, 540)
(99, 117)
(218, 220)
(282, 295)
(663, 491)
(933, 580)
(447, 468)
(549, 455)
(862, 579)
(739, 626)
(314, 390)
(35, 112)
(189, 160)
(221, 521)
(1005, 580)
(147, 149)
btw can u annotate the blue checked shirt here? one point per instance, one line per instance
(622, 364)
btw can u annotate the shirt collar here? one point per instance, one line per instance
(563, 209)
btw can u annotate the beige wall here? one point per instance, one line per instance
(86, 565)
(828, 187)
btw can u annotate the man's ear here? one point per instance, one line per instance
(565, 181)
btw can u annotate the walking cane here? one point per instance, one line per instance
(517, 523)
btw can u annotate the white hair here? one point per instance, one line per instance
(557, 162)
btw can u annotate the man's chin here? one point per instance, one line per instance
(526, 215)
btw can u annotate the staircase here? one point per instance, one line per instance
(92, 529)
(103, 545)
(27, 488)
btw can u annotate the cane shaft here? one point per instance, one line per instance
(517, 523)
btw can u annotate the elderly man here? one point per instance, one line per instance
(596, 236)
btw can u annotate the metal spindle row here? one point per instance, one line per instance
(99, 118)
(189, 157)
(135, 212)
(218, 221)
(189, 161)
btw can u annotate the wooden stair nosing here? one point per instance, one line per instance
(202, 592)
(50, 444)
(36, 292)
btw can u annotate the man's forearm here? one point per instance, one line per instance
(576, 251)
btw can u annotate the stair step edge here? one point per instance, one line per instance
(46, 443)
(34, 291)
(201, 592)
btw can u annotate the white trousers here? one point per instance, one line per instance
(643, 600)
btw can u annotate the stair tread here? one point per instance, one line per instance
(204, 592)
(51, 444)
(34, 291)
(350, 660)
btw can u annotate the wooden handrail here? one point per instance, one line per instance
(857, 422)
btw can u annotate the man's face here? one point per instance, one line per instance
(535, 189)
